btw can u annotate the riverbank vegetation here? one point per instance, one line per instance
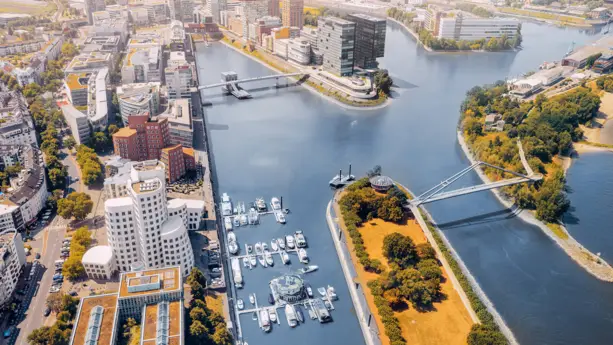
(474, 9)
(443, 44)
(546, 127)
(403, 274)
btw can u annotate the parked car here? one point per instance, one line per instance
(73, 293)
(38, 255)
(54, 289)
(47, 311)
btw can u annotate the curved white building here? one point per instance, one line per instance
(98, 262)
(138, 98)
(177, 248)
(139, 227)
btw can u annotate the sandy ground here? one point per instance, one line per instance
(449, 323)
(594, 133)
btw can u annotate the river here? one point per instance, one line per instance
(290, 142)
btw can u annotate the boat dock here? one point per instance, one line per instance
(307, 304)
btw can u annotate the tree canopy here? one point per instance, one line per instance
(77, 205)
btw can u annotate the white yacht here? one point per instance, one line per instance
(274, 245)
(268, 258)
(272, 314)
(240, 304)
(231, 237)
(289, 241)
(246, 261)
(300, 240)
(226, 205)
(252, 298)
(280, 217)
(264, 246)
(258, 248)
(302, 255)
(309, 291)
(285, 257)
(309, 269)
(331, 293)
(253, 261)
(265, 321)
(228, 223)
(243, 219)
(275, 203)
(290, 314)
(236, 222)
(281, 243)
(233, 247)
(249, 249)
(260, 204)
(322, 291)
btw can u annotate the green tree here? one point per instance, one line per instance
(198, 314)
(77, 205)
(73, 268)
(383, 81)
(485, 335)
(69, 143)
(221, 335)
(69, 50)
(31, 90)
(54, 302)
(198, 330)
(52, 199)
(399, 249)
(112, 129)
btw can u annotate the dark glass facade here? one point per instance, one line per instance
(369, 40)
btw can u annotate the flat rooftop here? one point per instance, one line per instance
(147, 185)
(158, 317)
(169, 277)
(367, 17)
(77, 81)
(124, 132)
(152, 164)
(85, 315)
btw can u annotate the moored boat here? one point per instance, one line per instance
(258, 248)
(252, 261)
(265, 321)
(268, 258)
(285, 257)
(281, 242)
(275, 203)
(274, 245)
(272, 314)
(233, 248)
(289, 241)
(299, 314)
(249, 249)
(271, 299)
(280, 217)
(332, 293)
(300, 239)
(246, 261)
(240, 304)
(226, 205)
(290, 315)
(231, 237)
(302, 256)
(236, 222)
(228, 223)
(308, 269)
(260, 204)
(309, 290)
(322, 291)
(252, 298)
(264, 246)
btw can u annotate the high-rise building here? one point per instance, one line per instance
(291, 12)
(273, 8)
(369, 39)
(178, 76)
(336, 41)
(142, 139)
(175, 8)
(138, 98)
(140, 228)
(12, 259)
(252, 10)
(92, 6)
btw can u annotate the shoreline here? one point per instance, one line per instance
(387, 102)
(581, 255)
(430, 50)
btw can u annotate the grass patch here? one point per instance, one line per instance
(30, 7)
(608, 146)
(544, 15)
(557, 230)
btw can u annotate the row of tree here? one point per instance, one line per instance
(474, 9)
(73, 268)
(493, 44)
(405, 18)
(205, 326)
(90, 165)
(547, 127)
(65, 307)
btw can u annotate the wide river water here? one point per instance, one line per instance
(290, 142)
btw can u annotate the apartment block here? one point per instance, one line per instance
(179, 116)
(78, 123)
(12, 259)
(142, 139)
(92, 6)
(251, 11)
(292, 12)
(336, 41)
(369, 39)
(89, 62)
(76, 88)
(138, 99)
(179, 76)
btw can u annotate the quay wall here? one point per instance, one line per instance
(365, 317)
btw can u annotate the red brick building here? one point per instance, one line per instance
(146, 139)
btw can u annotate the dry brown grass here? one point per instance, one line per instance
(214, 303)
(449, 323)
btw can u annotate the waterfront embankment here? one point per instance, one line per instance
(329, 92)
(591, 262)
(412, 33)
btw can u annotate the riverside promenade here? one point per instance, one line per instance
(363, 313)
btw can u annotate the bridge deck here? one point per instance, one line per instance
(275, 76)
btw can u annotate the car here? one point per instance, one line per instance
(73, 293)
(54, 289)
(47, 311)
(21, 292)
(9, 332)
(38, 255)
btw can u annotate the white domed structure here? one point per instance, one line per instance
(381, 183)
(99, 262)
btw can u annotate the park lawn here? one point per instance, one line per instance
(28, 7)
(214, 303)
(312, 10)
(449, 324)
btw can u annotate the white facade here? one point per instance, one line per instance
(78, 123)
(12, 259)
(252, 10)
(139, 227)
(178, 76)
(280, 47)
(472, 29)
(99, 263)
(138, 98)
(190, 211)
(299, 51)
(97, 100)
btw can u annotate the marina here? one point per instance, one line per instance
(288, 292)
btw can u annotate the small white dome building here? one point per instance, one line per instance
(99, 262)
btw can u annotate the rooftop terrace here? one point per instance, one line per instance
(170, 281)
